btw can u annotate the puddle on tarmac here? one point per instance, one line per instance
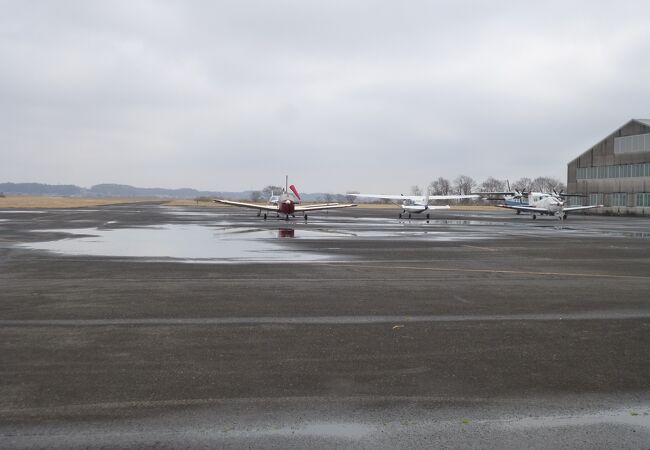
(187, 243)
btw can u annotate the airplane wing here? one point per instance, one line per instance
(525, 208)
(323, 207)
(390, 196)
(273, 208)
(318, 205)
(578, 208)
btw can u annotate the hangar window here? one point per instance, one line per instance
(632, 144)
(643, 199)
(575, 201)
(619, 171)
(619, 199)
(596, 198)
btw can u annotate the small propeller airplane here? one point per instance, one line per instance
(287, 203)
(539, 203)
(416, 204)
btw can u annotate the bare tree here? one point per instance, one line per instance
(493, 185)
(440, 186)
(546, 184)
(328, 198)
(256, 196)
(267, 191)
(522, 184)
(415, 190)
(350, 198)
(464, 184)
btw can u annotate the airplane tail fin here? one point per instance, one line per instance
(295, 192)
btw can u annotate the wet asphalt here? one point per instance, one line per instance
(147, 326)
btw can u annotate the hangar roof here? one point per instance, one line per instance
(645, 122)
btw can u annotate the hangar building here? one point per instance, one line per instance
(615, 172)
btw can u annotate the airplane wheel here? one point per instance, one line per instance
(428, 216)
(305, 216)
(518, 212)
(565, 216)
(287, 218)
(534, 217)
(264, 216)
(409, 215)
(400, 215)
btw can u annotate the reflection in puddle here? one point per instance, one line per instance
(637, 235)
(189, 243)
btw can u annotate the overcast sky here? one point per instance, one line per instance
(340, 95)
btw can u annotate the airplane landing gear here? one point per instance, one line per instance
(287, 217)
(264, 216)
(518, 212)
(409, 215)
(400, 215)
(565, 216)
(428, 216)
(305, 217)
(534, 216)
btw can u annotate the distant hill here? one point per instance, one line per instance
(124, 190)
(63, 190)
(108, 190)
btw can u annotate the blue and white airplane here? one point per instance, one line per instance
(539, 203)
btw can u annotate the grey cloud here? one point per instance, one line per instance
(341, 95)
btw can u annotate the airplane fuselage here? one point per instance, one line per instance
(287, 207)
(550, 203)
(414, 208)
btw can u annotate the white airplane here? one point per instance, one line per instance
(287, 203)
(274, 199)
(416, 204)
(542, 203)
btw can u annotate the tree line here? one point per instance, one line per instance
(464, 185)
(461, 185)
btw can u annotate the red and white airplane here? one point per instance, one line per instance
(288, 204)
